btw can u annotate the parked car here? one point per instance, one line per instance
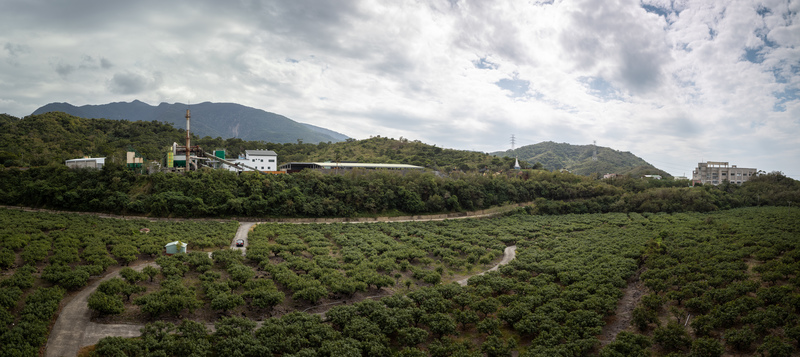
(240, 242)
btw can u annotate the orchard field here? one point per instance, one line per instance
(710, 284)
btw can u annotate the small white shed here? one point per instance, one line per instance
(176, 247)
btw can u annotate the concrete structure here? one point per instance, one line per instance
(176, 247)
(263, 160)
(134, 159)
(657, 177)
(610, 176)
(717, 172)
(86, 162)
(298, 166)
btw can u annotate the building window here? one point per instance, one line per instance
(271, 160)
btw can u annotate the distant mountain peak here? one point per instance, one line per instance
(224, 120)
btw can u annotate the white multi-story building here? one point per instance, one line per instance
(715, 173)
(261, 160)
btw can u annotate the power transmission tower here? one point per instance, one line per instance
(594, 154)
(516, 159)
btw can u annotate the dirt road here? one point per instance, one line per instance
(508, 255)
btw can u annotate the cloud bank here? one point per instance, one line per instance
(673, 81)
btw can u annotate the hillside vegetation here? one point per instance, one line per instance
(43, 139)
(578, 159)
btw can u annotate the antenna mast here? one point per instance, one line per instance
(594, 154)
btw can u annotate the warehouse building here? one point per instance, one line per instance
(86, 162)
(291, 167)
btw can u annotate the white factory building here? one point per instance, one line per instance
(262, 160)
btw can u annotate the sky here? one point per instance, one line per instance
(675, 82)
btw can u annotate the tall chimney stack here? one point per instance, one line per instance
(188, 143)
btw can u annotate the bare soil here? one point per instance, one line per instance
(621, 320)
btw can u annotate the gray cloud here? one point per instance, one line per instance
(15, 49)
(480, 27)
(105, 63)
(603, 40)
(133, 83)
(64, 69)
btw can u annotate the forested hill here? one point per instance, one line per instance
(38, 140)
(400, 151)
(225, 120)
(53, 137)
(578, 159)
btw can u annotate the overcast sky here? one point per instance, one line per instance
(675, 82)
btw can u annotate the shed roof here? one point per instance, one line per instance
(260, 152)
(97, 159)
(183, 244)
(347, 165)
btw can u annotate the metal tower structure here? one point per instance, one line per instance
(594, 154)
(516, 159)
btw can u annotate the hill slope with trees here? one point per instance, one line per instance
(225, 120)
(578, 159)
(53, 137)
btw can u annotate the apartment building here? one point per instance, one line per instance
(717, 172)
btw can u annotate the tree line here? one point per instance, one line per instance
(219, 193)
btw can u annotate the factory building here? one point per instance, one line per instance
(262, 160)
(86, 162)
(717, 172)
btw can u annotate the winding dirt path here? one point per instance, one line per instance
(508, 255)
(623, 315)
(74, 329)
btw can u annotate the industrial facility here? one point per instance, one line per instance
(184, 158)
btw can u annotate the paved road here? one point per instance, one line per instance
(241, 233)
(73, 328)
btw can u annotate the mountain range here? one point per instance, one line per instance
(578, 159)
(230, 120)
(225, 120)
